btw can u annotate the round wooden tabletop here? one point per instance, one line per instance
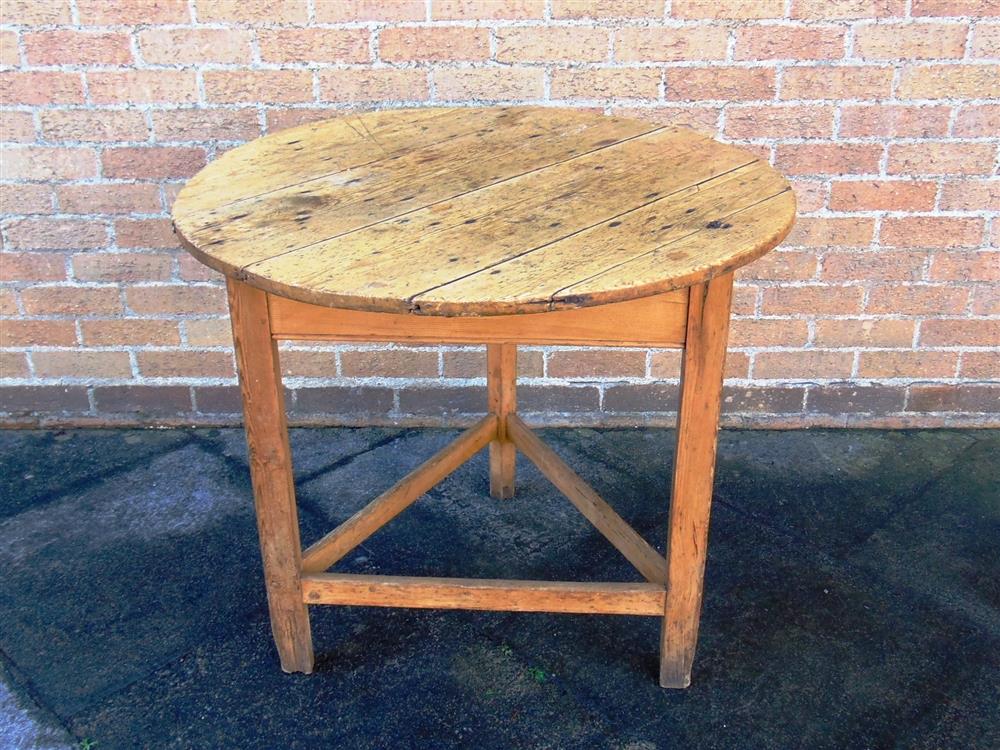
(461, 211)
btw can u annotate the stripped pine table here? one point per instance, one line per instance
(497, 226)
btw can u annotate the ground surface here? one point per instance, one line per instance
(852, 600)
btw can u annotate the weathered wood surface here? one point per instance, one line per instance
(481, 212)
(271, 474)
(659, 320)
(480, 593)
(501, 397)
(694, 472)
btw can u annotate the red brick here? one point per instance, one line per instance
(307, 364)
(8, 302)
(474, 10)
(34, 13)
(490, 83)
(941, 158)
(9, 54)
(252, 86)
(56, 234)
(744, 299)
(854, 399)
(917, 300)
(142, 402)
(902, 364)
(158, 233)
(384, 84)
(371, 10)
(957, 265)
(857, 332)
(82, 364)
(810, 231)
(931, 231)
(812, 300)
(37, 333)
(17, 127)
(986, 299)
(176, 299)
(789, 43)
(955, 8)
(840, 82)
(185, 363)
(93, 125)
(782, 265)
(205, 125)
(951, 81)
(48, 163)
(702, 119)
(980, 365)
(388, 363)
(936, 332)
(77, 48)
(142, 87)
(656, 44)
(19, 198)
(828, 158)
(803, 364)
(129, 332)
(319, 45)
(971, 195)
(596, 363)
(840, 9)
(186, 45)
(978, 121)
(879, 120)
(728, 84)
(32, 266)
(779, 121)
(739, 10)
(401, 44)
(108, 198)
(190, 269)
(909, 41)
(810, 195)
(70, 300)
(40, 87)
(279, 119)
(986, 40)
(131, 267)
(882, 265)
(209, 332)
(607, 83)
(764, 333)
(607, 9)
(252, 11)
(14, 365)
(882, 195)
(152, 162)
(102, 12)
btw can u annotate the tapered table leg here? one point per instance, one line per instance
(271, 473)
(694, 471)
(501, 383)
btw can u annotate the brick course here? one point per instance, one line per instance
(882, 308)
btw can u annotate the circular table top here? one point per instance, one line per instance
(462, 211)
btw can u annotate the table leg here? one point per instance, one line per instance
(501, 384)
(694, 470)
(271, 473)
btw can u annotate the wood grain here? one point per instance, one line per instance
(501, 393)
(487, 212)
(489, 594)
(694, 471)
(660, 321)
(271, 474)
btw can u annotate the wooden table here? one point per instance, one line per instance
(500, 226)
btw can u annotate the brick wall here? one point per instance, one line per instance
(881, 309)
